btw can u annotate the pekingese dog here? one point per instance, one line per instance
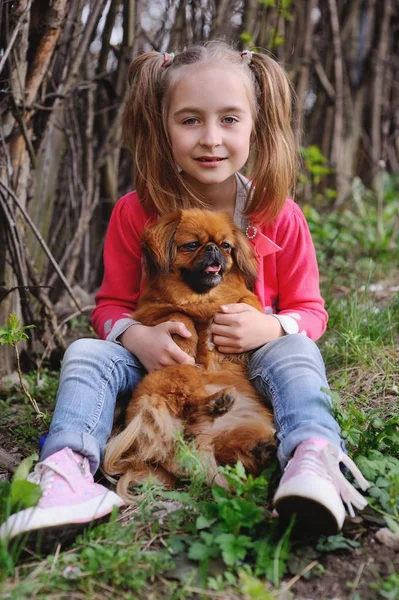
(196, 260)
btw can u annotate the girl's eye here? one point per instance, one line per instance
(191, 246)
(226, 246)
(190, 121)
(230, 120)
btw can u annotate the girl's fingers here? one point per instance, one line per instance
(223, 319)
(228, 350)
(217, 329)
(178, 328)
(235, 308)
(222, 342)
(178, 356)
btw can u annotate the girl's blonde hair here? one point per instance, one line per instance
(273, 155)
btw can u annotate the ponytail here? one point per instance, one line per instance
(157, 180)
(274, 158)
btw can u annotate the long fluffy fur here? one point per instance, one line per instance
(213, 402)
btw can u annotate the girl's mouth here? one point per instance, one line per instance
(209, 159)
(209, 162)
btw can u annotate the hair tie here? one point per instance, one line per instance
(168, 58)
(247, 56)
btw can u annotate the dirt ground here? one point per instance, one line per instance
(348, 573)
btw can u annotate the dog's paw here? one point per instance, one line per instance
(221, 404)
(263, 451)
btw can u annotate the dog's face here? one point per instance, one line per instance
(198, 247)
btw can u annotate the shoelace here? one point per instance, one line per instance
(43, 475)
(331, 457)
(325, 462)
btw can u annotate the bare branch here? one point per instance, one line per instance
(14, 35)
(339, 98)
(305, 63)
(41, 241)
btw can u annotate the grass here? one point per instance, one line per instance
(197, 542)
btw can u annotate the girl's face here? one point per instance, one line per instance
(209, 122)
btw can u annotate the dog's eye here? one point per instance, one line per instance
(226, 246)
(191, 246)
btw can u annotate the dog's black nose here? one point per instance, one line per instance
(211, 248)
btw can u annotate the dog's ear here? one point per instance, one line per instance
(245, 259)
(158, 244)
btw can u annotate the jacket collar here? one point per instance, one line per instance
(262, 244)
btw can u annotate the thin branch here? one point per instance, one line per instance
(45, 48)
(106, 35)
(378, 95)
(323, 79)
(339, 97)
(41, 242)
(24, 388)
(25, 134)
(92, 21)
(57, 331)
(14, 35)
(4, 292)
(45, 301)
(305, 65)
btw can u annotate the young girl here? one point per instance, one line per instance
(192, 122)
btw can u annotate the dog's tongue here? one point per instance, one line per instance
(213, 269)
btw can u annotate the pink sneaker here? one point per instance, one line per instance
(70, 499)
(314, 488)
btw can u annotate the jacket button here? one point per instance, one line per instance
(251, 231)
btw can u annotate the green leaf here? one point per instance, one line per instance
(13, 332)
(24, 494)
(241, 513)
(382, 482)
(240, 470)
(203, 523)
(198, 551)
(175, 544)
(24, 468)
(208, 538)
(183, 497)
(392, 523)
(234, 548)
(336, 542)
(5, 492)
(264, 558)
(220, 494)
(254, 588)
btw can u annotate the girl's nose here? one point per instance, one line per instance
(211, 136)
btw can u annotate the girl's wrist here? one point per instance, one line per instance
(130, 337)
(275, 328)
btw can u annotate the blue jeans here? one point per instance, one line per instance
(288, 372)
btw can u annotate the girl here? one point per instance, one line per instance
(192, 122)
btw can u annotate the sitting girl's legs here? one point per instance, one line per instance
(290, 373)
(93, 373)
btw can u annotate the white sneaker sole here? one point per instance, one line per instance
(316, 503)
(36, 518)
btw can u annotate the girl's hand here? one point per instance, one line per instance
(154, 346)
(240, 328)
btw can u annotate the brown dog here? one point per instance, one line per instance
(196, 261)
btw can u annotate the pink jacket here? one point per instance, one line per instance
(288, 278)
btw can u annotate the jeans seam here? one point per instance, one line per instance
(267, 381)
(105, 380)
